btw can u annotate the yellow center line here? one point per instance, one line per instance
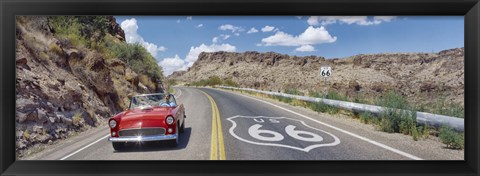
(217, 148)
(221, 146)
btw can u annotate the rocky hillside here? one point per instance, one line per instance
(421, 77)
(70, 77)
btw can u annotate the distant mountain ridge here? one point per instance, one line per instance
(422, 77)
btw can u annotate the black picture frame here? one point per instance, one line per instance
(470, 9)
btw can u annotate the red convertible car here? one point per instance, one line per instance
(150, 117)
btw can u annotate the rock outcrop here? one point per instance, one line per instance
(62, 88)
(421, 77)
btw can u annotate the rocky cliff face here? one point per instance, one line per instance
(422, 77)
(64, 88)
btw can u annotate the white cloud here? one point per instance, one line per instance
(311, 36)
(189, 17)
(199, 26)
(178, 21)
(225, 37)
(192, 55)
(299, 17)
(252, 30)
(229, 27)
(215, 39)
(384, 18)
(236, 34)
(359, 20)
(220, 37)
(170, 65)
(268, 28)
(130, 28)
(305, 48)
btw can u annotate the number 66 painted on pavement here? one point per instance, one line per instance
(255, 132)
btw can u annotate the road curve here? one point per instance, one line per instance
(225, 125)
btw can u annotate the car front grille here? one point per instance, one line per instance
(142, 132)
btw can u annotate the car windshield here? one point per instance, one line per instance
(145, 101)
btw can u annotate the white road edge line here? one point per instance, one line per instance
(343, 131)
(179, 94)
(83, 148)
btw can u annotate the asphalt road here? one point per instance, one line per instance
(225, 125)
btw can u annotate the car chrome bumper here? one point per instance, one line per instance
(143, 138)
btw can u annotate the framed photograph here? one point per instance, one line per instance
(239, 87)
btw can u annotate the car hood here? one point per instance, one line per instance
(138, 118)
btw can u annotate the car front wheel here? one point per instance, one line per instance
(182, 128)
(118, 145)
(174, 142)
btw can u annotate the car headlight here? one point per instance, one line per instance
(112, 123)
(169, 120)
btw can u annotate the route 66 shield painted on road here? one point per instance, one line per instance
(280, 132)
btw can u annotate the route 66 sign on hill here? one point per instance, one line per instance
(325, 71)
(280, 132)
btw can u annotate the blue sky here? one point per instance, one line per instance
(176, 41)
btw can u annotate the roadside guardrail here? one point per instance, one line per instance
(424, 118)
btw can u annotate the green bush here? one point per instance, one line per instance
(336, 96)
(213, 81)
(449, 109)
(137, 58)
(393, 100)
(398, 121)
(293, 92)
(68, 28)
(323, 108)
(330, 95)
(230, 82)
(367, 117)
(282, 99)
(451, 138)
(315, 94)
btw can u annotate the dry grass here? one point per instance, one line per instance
(145, 80)
(26, 135)
(54, 48)
(77, 119)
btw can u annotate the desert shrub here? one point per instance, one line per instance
(330, 95)
(230, 82)
(324, 108)
(367, 117)
(172, 82)
(360, 98)
(398, 121)
(26, 135)
(336, 96)
(212, 81)
(137, 58)
(68, 28)
(90, 31)
(293, 92)
(77, 118)
(315, 94)
(54, 48)
(147, 81)
(283, 99)
(449, 109)
(301, 103)
(392, 99)
(451, 138)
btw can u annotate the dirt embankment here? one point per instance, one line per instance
(63, 87)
